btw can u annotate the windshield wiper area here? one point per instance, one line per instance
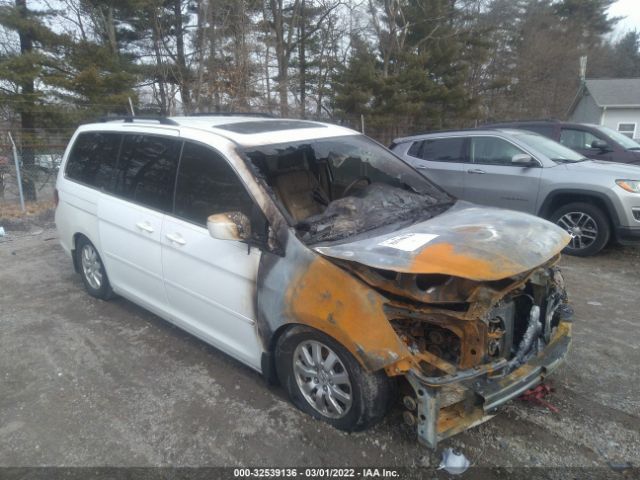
(377, 205)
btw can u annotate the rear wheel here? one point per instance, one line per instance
(92, 271)
(588, 226)
(324, 380)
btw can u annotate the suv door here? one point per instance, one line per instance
(130, 222)
(492, 178)
(441, 160)
(580, 140)
(210, 283)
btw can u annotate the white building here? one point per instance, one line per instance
(612, 102)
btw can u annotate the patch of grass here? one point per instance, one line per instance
(13, 211)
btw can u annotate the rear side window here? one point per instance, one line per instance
(544, 130)
(414, 149)
(443, 150)
(207, 185)
(93, 159)
(147, 170)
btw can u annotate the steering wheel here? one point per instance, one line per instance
(354, 183)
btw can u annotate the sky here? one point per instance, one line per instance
(629, 9)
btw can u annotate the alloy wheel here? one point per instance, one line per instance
(322, 379)
(582, 228)
(91, 266)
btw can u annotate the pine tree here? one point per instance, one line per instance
(23, 72)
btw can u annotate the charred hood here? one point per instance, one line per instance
(468, 241)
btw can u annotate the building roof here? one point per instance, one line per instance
(615, 92)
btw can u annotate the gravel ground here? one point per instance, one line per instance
(90, 383)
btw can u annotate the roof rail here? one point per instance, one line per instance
(231, 114)
(131, 119)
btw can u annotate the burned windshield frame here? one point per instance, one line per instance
(332, 169)
(380, 158)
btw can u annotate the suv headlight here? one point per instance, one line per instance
(632, 186)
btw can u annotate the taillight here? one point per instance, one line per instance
(56, 197)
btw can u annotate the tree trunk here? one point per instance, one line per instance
(160, 72)
(185, 91)
(302, 60)
(281, 55)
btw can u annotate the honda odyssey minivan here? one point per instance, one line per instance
(320, 259)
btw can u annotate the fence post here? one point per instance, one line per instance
(18, 176)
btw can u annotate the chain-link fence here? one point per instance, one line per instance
(37, 167)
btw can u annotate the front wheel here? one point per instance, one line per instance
(588, 226)
(324, 380)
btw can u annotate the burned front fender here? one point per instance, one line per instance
(305, 288)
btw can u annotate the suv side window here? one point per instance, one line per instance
(577, 139)
(147, 170)
(92, 160)
(208, 185)
(492, 151)
(439, 150)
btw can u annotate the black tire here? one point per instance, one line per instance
(102, 291)
(371, 393)
(581, 245)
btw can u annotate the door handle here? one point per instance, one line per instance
(421, 167)
(476, 170)
(176, 238)
(145, 227)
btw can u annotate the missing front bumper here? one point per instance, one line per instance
(485, 391)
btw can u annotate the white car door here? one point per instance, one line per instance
(130, 219)
(210, 283)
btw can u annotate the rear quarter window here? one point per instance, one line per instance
(93, 159)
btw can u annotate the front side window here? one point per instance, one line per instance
(207, 185)
(93, 158)
(147, 170)
(577, 139)
(492, 151)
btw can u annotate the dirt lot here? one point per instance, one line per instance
(88, 383)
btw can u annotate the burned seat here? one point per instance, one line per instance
(298, 188)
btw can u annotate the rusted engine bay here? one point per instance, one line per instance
(458, 330)
(453, 323)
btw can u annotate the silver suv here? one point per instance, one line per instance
(594, 201)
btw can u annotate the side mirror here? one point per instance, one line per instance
(229, 226)
(600, 145)
(523, 160)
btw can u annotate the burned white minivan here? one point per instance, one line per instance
(319, 258)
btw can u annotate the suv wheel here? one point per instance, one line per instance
(92, 271)
(588, 226)
(324, 380)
